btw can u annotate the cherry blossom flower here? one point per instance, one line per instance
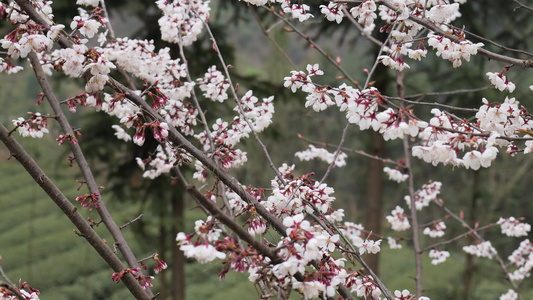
(312, 152)
(500, 83)
(121, 134)
(94, 3)
(395, 175)
(398, 219)
(87, 27)
(202, 253)
(365, 15)
(182, 21)
(426, 194)
(438, 256)
(333, 11)
(483, 249)
(436, 230)
(510, 295)
(393, 243)
(402, 295)
(513, 228)
(444, 13)
(370, 246)
(257, 226)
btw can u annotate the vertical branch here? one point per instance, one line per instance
(337, 152)
(414, 216)
(241, 110)
(469, 264)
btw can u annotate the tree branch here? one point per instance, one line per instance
(70, 211)
(107, 219)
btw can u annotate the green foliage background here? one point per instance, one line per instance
(37, 243)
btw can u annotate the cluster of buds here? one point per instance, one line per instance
(89, 200)
(135, 272)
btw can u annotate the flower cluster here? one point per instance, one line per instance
(445, 138)
(398, 219)
(512, 227)
(436, 230)
(312, 152)
(365, 15)
(165, 158)
(425, 195)
(395, 175)
(200, 248)
(214, 85)
(182, 21)
(510, 295)
(36, 126)
(522, 259)
(497, 79)
(483, 249)
(454, 51)
(160, 265)
(438, 257)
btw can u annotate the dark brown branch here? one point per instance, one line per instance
(226, 220)
(179, 140)
(113, 228)
(12, 289)
(70, 211)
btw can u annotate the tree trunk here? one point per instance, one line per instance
(178, 259)
(163, 246)
(374, 192)
(469, 264)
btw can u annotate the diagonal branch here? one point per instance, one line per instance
(113, 228)
(70, 211)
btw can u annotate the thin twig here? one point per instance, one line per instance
(436, 245)
(360, 152)
(520, 5)
(267, 34)
(337, 152)
(454, 92)
(499, 260)
(241, 110)
(358, 26)
(414, 215)
(313, 44)
(131, 221)
(5, 276)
